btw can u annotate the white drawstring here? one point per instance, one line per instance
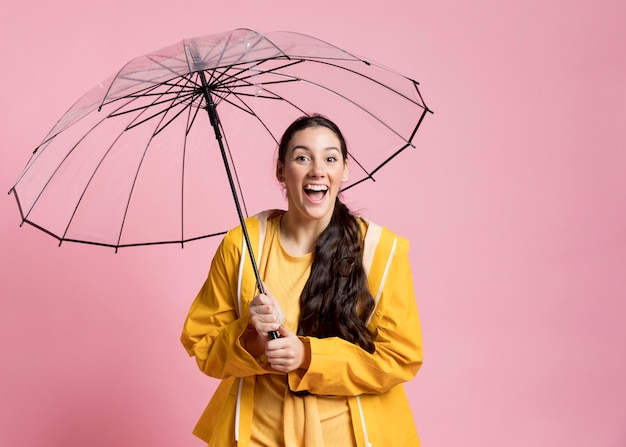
(378, 294)
(240, 310)
(384, 278)
(244, 247)
(363, 425)
(238, 409)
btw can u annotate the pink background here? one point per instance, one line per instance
(515, 203)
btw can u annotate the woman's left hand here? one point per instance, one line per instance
(287, 353)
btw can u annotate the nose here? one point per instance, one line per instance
(317, 168)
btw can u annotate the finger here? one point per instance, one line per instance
(266, 290)
(261, 300)
(269, 295)
(264, 313)
(284, 332)
(282, 364)
(265, 323)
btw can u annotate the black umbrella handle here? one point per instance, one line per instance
(273, 335)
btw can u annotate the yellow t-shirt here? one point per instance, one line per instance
(280, 417)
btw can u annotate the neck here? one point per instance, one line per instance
(299, 237)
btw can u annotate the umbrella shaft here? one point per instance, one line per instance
(215, 122)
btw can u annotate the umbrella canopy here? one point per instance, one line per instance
(138, 160)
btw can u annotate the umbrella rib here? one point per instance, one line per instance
(250, 110)
(116, 247)
(54, 172)
(424, 108)
(119, 72)
(251, 45)
(158, 63)
(119, 75)
(174, 102)
(182, 91)
(374, 116)
(174, 94)
(354, 103)
(195, 115)
(242, 199)
(132, 188)
(238, 95)
(71, 219)
(370, 175)
(93, 174)
(181, 100)
(224, 96)
(374, 80)
(245, 107)
(164, 113)
(261, 38)
(95, 171)
(51, 137)
(142, 80)
(182, 179)
(191, 118)
(197, 54)
(225, 77)
(156, 130)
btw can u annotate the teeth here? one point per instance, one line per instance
(316, 187)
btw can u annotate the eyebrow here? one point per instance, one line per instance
(306, 148)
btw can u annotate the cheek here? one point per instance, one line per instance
(292, 173)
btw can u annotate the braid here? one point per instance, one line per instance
(336, 301)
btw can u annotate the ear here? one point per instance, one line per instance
(346, 172)
(280, 171)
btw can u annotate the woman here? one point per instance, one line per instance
(338, 290)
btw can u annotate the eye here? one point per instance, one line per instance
(331, 159)
(301, 158)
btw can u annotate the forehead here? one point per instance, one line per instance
(318, 137)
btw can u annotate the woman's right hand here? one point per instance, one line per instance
(265, 313)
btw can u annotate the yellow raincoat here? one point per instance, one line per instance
(218, 321)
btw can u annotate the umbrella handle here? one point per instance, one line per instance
(273, 335)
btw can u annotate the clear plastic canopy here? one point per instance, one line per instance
(135, 161)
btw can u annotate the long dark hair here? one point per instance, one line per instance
(335, 301)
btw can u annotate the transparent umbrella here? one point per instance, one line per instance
(147, 156)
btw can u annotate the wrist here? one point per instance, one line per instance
(306, 358)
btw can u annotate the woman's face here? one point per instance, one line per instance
(312, 173)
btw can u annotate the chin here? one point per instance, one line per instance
(319, 214)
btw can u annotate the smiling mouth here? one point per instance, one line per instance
(316, 192)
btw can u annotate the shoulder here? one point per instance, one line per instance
(255, 226)
(380, 237)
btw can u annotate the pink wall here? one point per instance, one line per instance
(515, 203)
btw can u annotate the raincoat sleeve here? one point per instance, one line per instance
(213, 330)
(339, 367)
